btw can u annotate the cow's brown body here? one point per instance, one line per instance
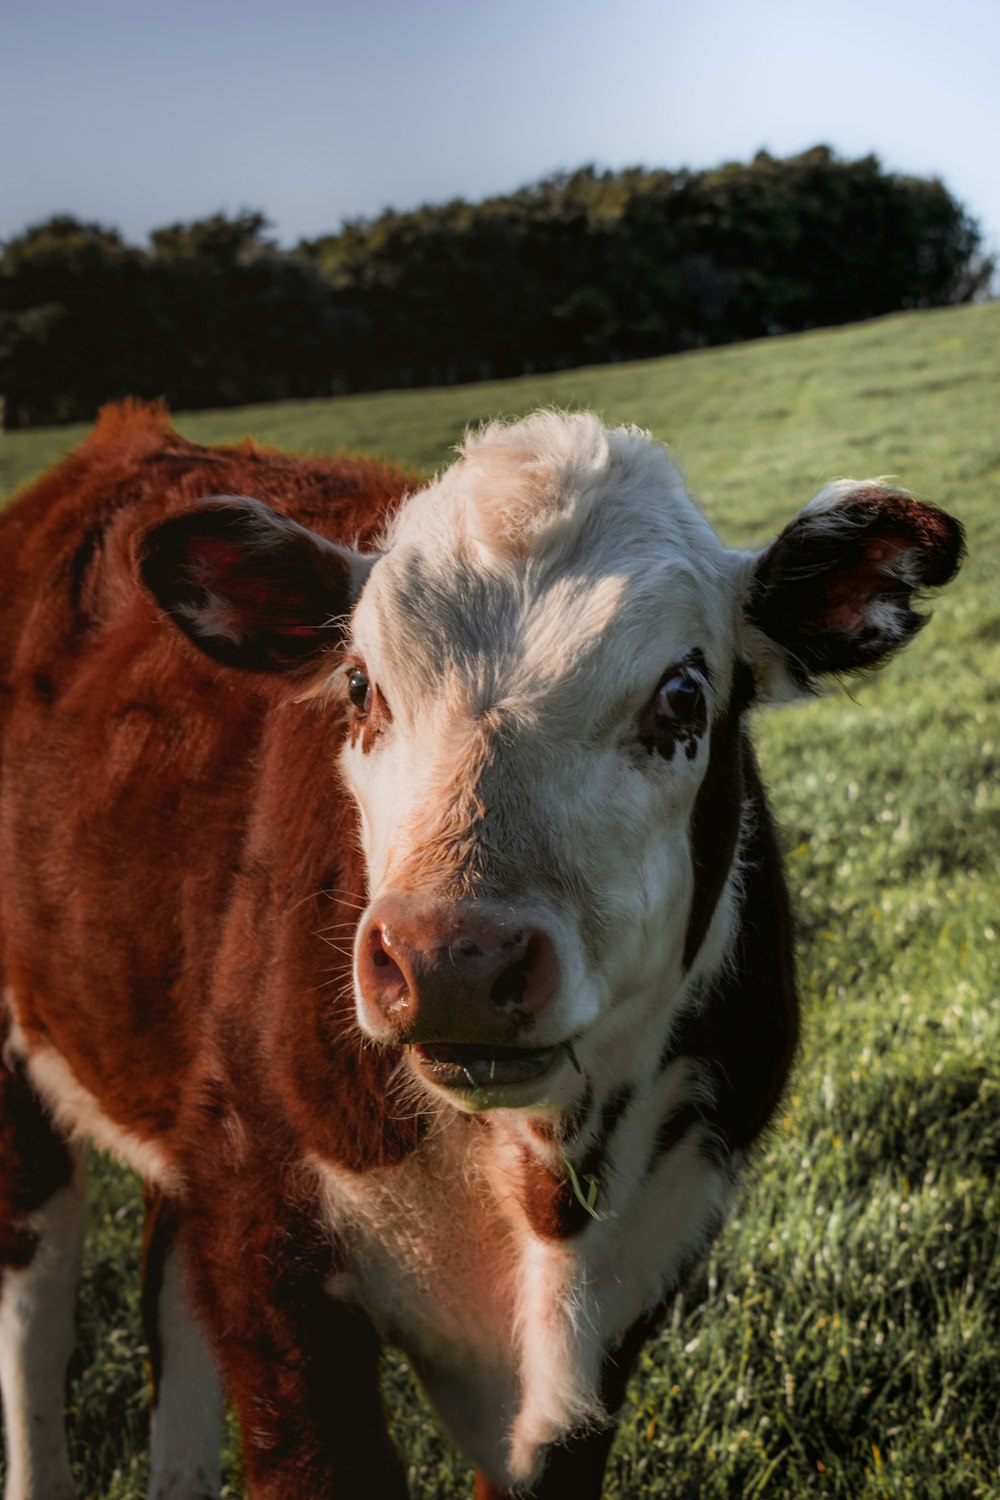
(141, 785)
(168, 874)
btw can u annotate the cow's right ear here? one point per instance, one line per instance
(837, 591)
(251, 588)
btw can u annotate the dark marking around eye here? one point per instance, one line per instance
(677, 713)
(371, 714)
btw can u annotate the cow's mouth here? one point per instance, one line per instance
(467, 1065)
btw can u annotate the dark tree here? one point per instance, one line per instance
(582, 267)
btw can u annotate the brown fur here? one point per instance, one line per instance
(139, 781)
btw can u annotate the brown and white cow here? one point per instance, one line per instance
(400, 898)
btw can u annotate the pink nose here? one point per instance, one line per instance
(433, 970)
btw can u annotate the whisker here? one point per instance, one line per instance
(347, 895)
(310, 896)
(337, 948)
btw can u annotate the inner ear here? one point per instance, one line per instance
(250, 587)
(838, 587)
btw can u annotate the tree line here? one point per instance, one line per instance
(582, 267)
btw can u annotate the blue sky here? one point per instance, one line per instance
(138, 116)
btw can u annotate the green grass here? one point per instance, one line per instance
(841, 1340)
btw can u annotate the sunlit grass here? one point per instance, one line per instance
(841, 1339)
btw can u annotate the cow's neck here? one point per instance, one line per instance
(570, 1230)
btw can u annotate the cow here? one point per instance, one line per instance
(386, 875)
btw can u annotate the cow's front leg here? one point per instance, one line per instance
(301, 1368)
(43, 1214)
(185, 1460)
(310, 1408)
(573, 1471)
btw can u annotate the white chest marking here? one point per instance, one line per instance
(508, 1331)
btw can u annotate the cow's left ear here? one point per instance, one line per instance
(838, 588)
(251, 588)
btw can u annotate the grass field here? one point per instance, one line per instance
(842, 1338)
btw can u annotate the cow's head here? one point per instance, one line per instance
(545, 669)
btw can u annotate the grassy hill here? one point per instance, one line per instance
(841, 1340)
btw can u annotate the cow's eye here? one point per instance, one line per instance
(681, 699)
(676, 714)
(359, 690)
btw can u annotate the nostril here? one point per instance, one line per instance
(527, 983)
(512, 984)
(385, 982)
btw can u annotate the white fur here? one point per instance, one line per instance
(186, 1444)
(36, 1339)
(840, 492)
(215, 618)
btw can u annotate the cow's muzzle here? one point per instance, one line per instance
(464, 982)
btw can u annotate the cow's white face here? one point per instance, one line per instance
(544, 681)
(536, 664)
